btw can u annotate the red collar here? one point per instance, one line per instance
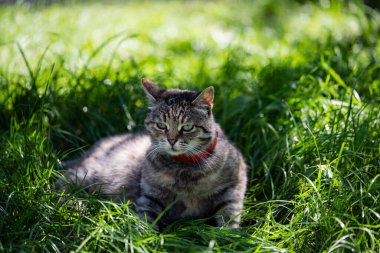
(196, 158)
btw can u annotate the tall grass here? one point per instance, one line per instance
(297, 89)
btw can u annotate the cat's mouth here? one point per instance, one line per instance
(173, 150)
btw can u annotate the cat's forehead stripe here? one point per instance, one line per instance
(174, 113)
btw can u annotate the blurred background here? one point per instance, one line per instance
(84, 59)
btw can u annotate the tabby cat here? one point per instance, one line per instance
(183, 166)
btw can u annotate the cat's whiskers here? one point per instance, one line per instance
(190, 150)
(194, 150)
(153, 152)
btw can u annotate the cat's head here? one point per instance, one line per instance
(179, 121)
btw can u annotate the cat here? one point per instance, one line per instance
(182, 166)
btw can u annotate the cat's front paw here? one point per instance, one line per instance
(229, 216)
(148, 209)
(150, 219)
(224, 221)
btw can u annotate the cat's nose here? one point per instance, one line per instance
(172, 141)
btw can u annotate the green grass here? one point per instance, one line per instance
(297, 89)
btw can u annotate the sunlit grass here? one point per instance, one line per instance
(297, 90)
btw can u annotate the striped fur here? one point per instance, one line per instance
(141, 167)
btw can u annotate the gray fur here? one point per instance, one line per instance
(142, 168)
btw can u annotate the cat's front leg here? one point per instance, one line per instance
(148, 208)
(229, 206)
(229, 214)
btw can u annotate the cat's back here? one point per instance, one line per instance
(119, 149)
(112, 166)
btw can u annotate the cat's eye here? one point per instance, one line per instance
(187, 128)
(161, 126)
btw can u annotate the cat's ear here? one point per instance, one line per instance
(152, 90)
(206, 97)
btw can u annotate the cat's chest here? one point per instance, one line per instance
(189, 183)
(194, 206)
